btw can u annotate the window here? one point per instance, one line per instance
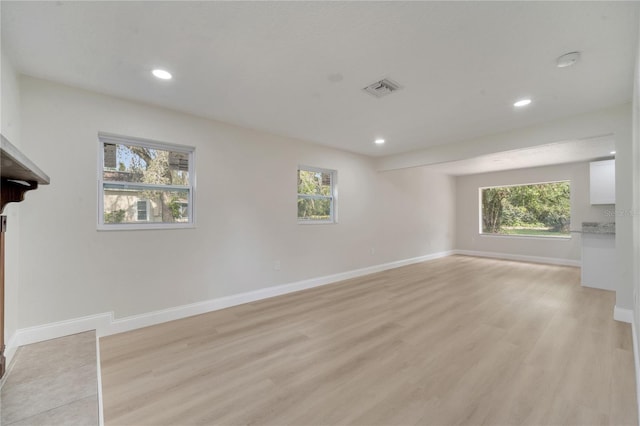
(541, 209)
(144, 184)
(143, 210)
(316, 195)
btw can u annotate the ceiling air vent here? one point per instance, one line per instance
(382, 88)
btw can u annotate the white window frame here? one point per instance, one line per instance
(108, 138)
(146, 209)
(333, 211)
(545, 237)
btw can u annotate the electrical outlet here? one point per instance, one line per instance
(372, 251)
(276, 265)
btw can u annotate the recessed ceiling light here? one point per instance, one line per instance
(567, 59)
(522, 102)
(162, 74)
(612, 152)
(379, 141)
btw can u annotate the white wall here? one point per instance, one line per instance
(244, 209)
(636, 202)
(10, 105)
(10, 128)
(468, 214)
(246, 213)
(616, 121)
(624, 212)
(635, 253)
(417, 213)
(593, 124)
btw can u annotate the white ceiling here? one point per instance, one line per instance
(297, 68)
(597, 148)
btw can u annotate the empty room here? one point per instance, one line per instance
(319, 213)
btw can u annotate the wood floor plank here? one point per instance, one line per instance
(455, 341)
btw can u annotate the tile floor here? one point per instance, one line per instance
(52, 383)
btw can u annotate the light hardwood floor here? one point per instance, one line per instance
(459, 340)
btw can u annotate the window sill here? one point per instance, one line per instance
(538, 237)
(145, 227)
(317, 222)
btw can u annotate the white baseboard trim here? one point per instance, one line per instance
(10, 351)
(623, 315)
(637, 364)
(39, 333)
(99, 370)
(105, 324)
(520, 257)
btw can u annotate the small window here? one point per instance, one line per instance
(143, 211)
(316, 195)
(539, 210)
(144, 184)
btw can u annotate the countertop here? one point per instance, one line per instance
(15, 165)
(599, 228)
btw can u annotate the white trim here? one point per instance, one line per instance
(623, 315)
(99, 371)
(636, 361)
(105, 324)
(39, 333)
(145, 226)
(146, 210)
(141, 186)
(482, 188)
(520, 257)
(539, 237)
(10, 351)
(178, 312)
(109, 138)
(525, 184)
(148, 143)
(333, 208)
(316, 222)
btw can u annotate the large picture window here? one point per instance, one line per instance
(316, 195)
(540, 209)
(144, 184)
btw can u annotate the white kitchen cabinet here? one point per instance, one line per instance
(602, 186)
(598, 261)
